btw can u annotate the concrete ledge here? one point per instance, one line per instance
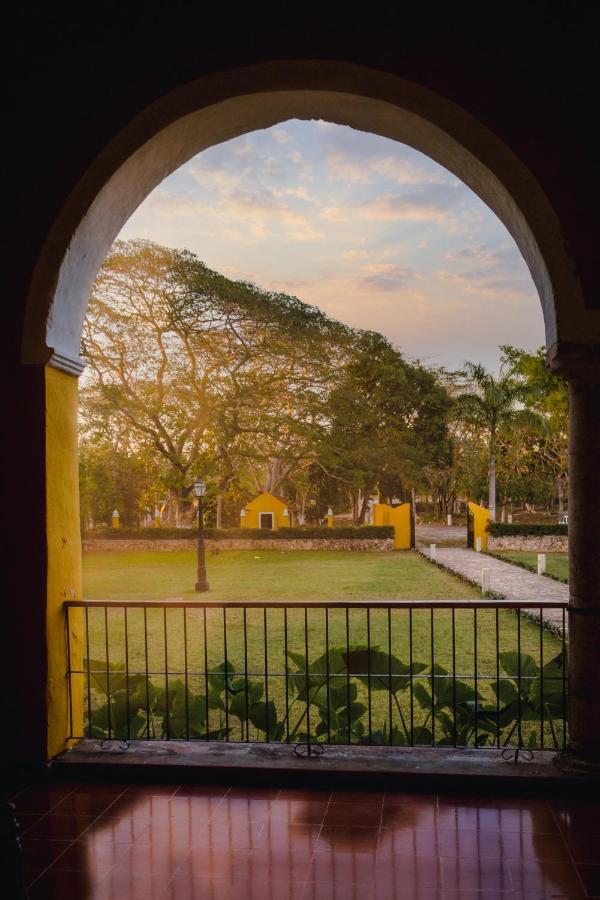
(391, 768)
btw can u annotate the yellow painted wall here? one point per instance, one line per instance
(399, 517)
(381, 514)
(64, 556)
(481, 517)
(265, 502)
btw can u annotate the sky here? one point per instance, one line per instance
(371, 231)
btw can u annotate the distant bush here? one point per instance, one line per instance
(502, 529)
(363, 532)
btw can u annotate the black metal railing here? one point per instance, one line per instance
(435, 673)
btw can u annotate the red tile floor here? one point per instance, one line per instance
(124, 842)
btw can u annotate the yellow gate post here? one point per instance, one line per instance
(481, 517)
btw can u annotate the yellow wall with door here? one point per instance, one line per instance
(266, 503)
(64, 558)
(481, 517)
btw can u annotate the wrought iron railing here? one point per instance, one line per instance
(435, 673)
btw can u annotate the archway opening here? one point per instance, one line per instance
(107, 202)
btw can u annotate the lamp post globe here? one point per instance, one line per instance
(201, 579)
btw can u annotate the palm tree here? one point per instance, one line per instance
(492, 407)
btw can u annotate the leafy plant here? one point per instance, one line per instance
(325, 703)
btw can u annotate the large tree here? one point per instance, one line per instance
(215, 376)
(493, 407)
(547, 395)
(386, 419)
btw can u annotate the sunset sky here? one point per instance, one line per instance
(374, 233)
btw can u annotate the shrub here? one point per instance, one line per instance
(363, 532)
(501, 529)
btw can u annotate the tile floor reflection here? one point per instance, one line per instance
(120, 842)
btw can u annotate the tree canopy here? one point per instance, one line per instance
(191, 373)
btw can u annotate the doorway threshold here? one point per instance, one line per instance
(392, 768)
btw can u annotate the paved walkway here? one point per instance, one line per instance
(512, 582)
(441, 534)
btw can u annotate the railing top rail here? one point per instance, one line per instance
(319, 604)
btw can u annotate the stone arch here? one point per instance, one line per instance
(159, 139)
(217, 108)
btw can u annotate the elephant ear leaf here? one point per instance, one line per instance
(522, 668)
(97, 672)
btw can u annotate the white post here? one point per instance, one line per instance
(449, 519)
(541, 563)
(485, 581)
(478, 545)
(509, 518)
(432, 551)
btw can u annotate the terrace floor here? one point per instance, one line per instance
(215, 842)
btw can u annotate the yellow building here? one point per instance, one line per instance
(265, 511)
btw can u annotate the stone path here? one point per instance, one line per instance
(441, 534)
(512, 582)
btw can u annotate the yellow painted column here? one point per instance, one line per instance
(330, 518)
(64, 559)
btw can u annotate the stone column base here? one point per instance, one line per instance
(579, 764)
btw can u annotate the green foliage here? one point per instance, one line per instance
(363, 532)
(324, 698)
(386, 419)
(502, 529)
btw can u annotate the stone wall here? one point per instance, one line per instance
(131, 545)
(537, 543)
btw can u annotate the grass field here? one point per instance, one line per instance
(287, 575)
(198, 640)
(557, 564)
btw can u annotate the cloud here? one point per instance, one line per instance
(386, 277)
(341, 167)
(280, 135)
(406, 171)
(302, 164)
(300, 192)
(356, 168)
(356, 254)
(240, 214)
(489, 270)
(431, 204)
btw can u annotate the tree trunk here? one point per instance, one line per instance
(492, 491)
(561, 498)
(219, 510)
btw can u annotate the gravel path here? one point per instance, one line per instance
(512, 582)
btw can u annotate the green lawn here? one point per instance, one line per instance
(246, 575)
(557, 564)
(198, 640)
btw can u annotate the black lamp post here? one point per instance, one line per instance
(201, 582)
